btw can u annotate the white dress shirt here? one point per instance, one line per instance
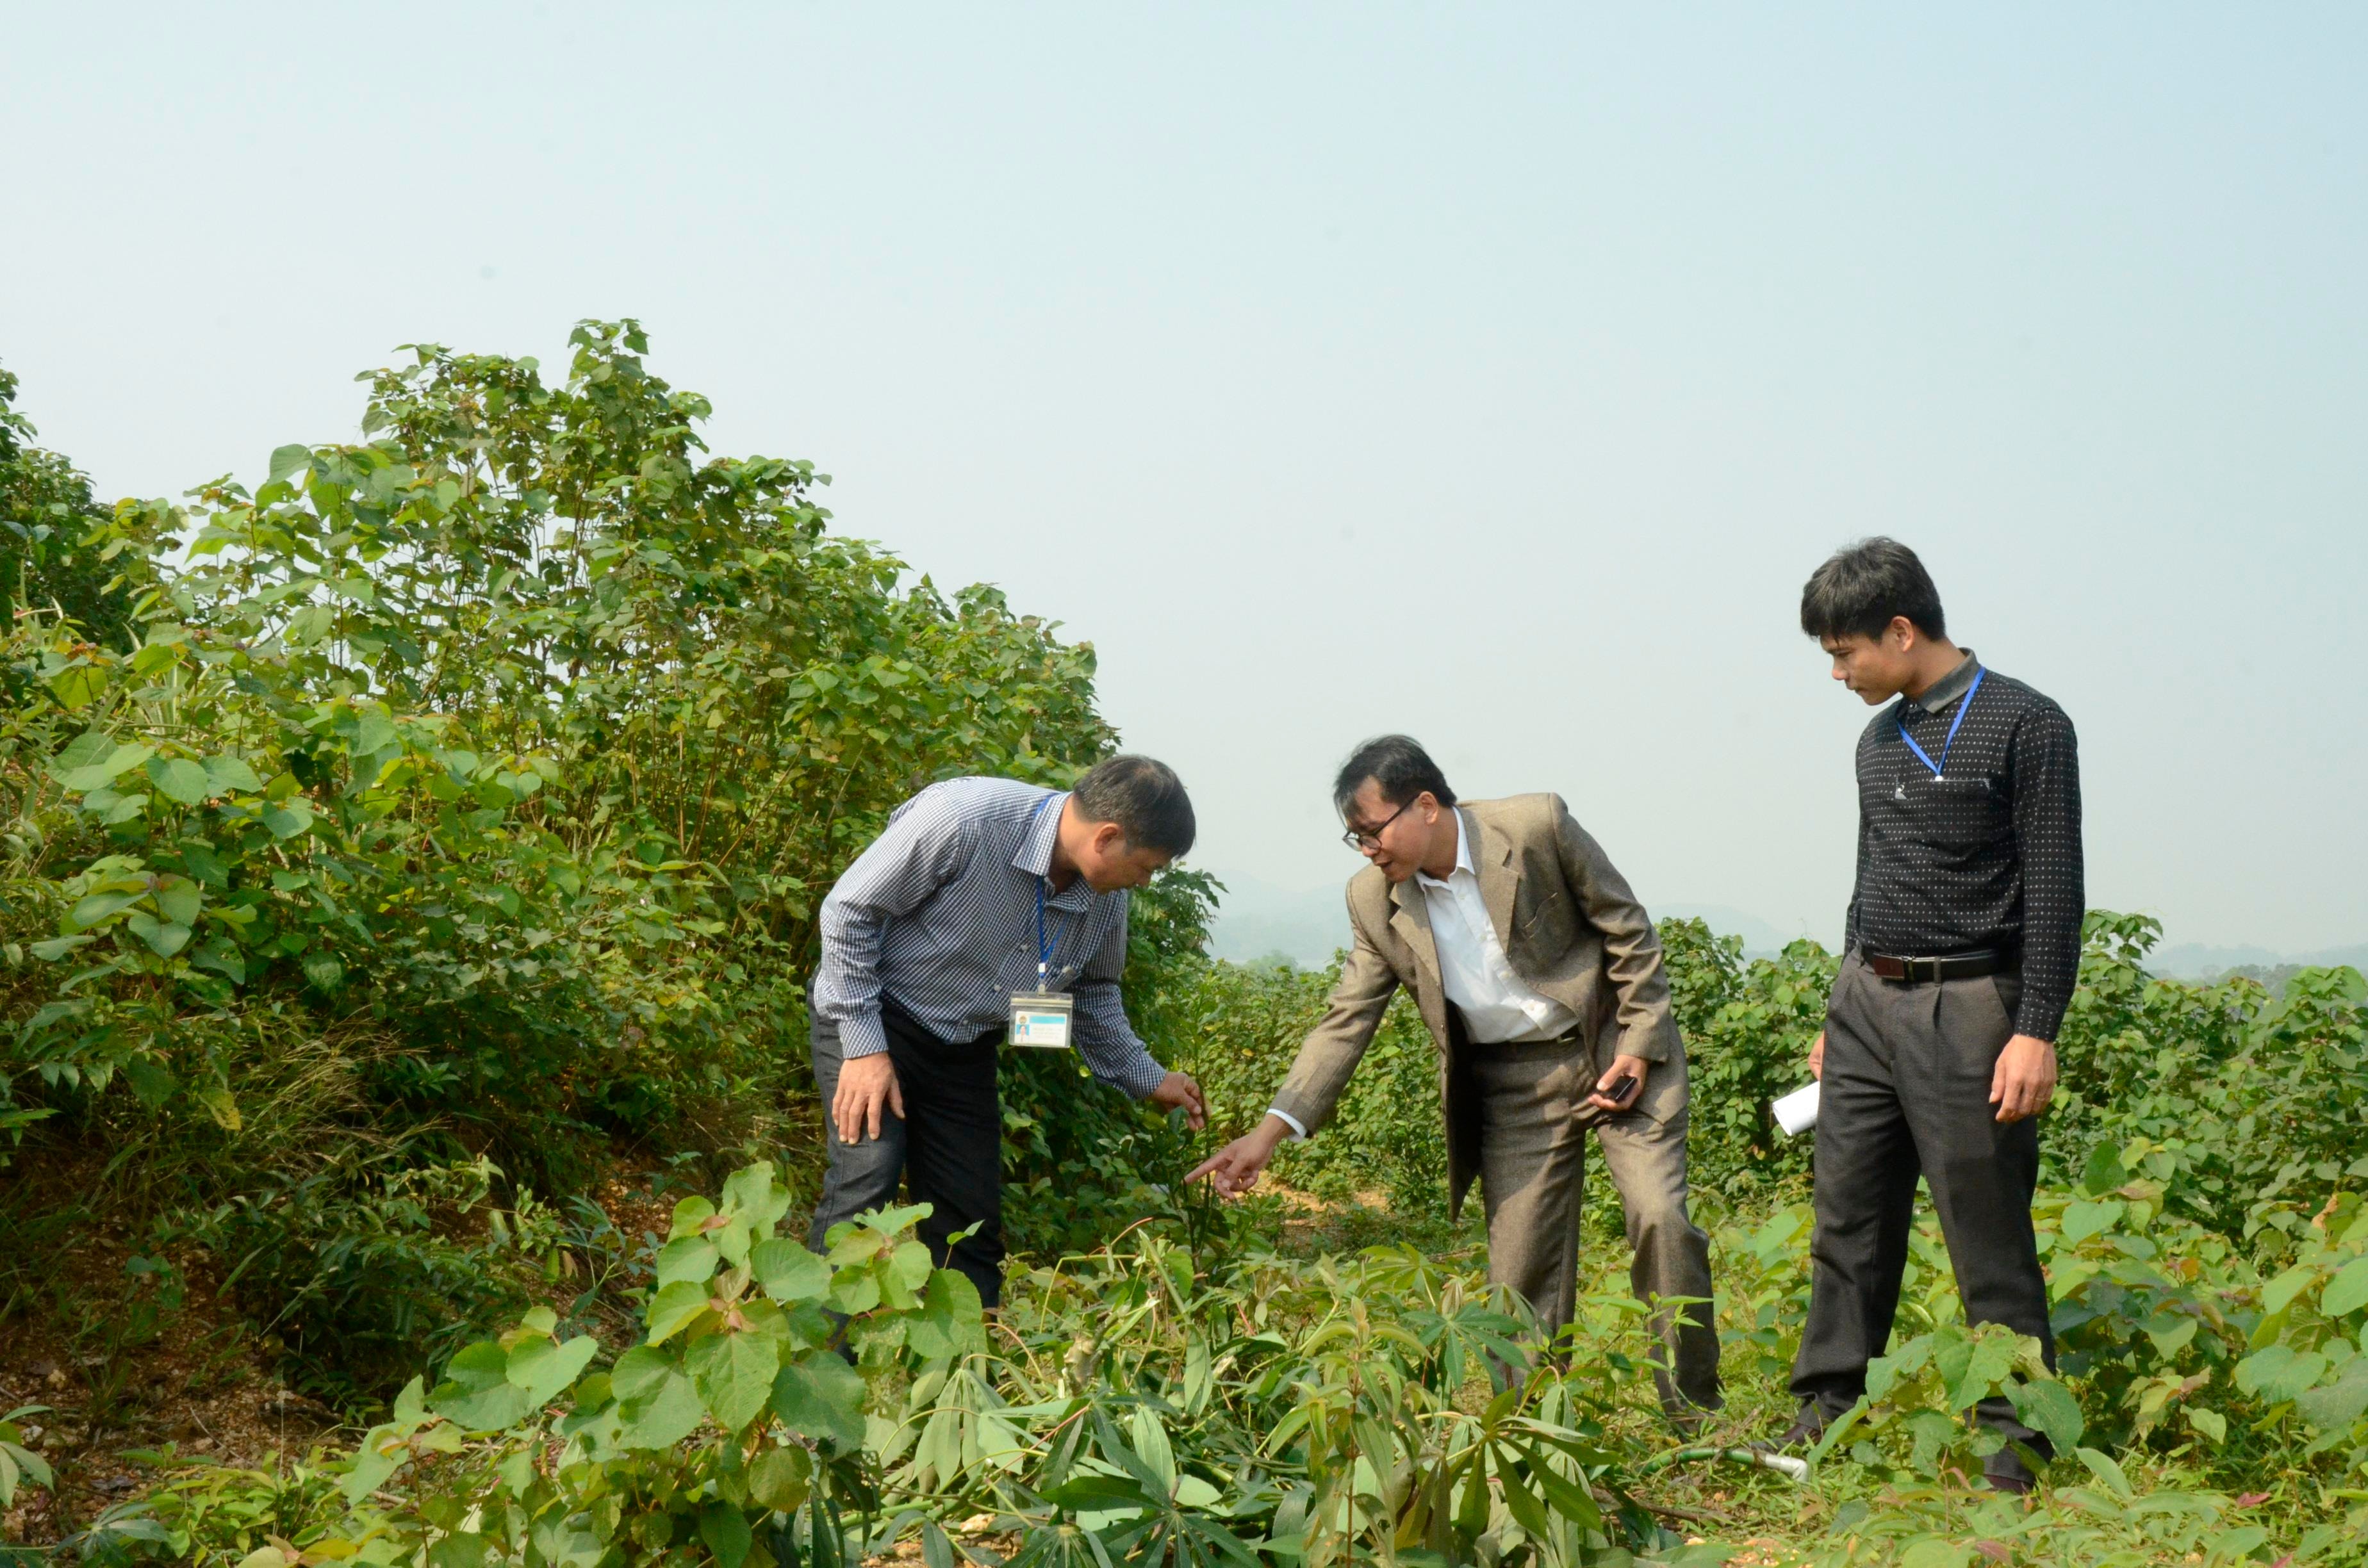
(1498, 1007)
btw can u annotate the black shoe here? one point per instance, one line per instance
(2005, 1471)
(1807, 1428)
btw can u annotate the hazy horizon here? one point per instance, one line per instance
(1493, 375)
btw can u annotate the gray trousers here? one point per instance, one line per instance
(1905, 1093)
(1532, 1156)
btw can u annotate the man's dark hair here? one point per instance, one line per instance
(1862, 585)
(1397, 762)
(1144, 798)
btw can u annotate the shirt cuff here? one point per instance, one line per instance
(1298, 1128)
(862, 1035)
(1143, 1078)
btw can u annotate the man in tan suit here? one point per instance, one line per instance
(1540, 976)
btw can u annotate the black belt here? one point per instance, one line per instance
(1942, 966)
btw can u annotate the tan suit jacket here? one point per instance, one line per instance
(1570, 928)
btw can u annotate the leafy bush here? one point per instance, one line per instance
(468, 792)
(782, 1407)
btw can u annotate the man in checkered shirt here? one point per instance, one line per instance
(978, 890)
(1963, 947)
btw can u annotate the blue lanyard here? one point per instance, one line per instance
(1044, 947)
(1962, 704)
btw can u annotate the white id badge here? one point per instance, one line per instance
(1042, 1019)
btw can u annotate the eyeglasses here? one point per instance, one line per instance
(1358, 838)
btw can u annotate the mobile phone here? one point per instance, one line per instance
(1619, 1088)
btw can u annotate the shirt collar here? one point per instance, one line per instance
(1462, 855)
(1950, 686)
(1035, 855)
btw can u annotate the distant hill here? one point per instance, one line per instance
(1761, 940)
(2198, 960)
(1258, 920)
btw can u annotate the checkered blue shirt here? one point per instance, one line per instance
(939, 915)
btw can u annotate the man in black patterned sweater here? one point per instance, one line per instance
(1962, 947)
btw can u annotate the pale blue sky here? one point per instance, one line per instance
(1494, 373)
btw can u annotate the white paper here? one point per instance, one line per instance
(1797, 1112)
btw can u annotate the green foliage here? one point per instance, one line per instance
(468, 793)
(46, 515)
(17, 1462)
(1748, 1025)
(782, 1407)
(444, 817)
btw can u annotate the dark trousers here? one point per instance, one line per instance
(947, 1148)
(1906, 1092)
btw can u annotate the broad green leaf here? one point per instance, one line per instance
(2210, 1423)
(786, 1271)
(289, 820)
(99, 775)
(476, 1392)
(97, 907)
(544, 1369)
(951, 1323)
(288, 460)
(180, 899)
(2169, 1342)
(2279, 1293)
(2238, 1544)
(180, 780)
(379, 1455)
(675, 1308)
(226, 773)
(375, 734)
(821, 1397)
(2279, 1372)
(909, 1266)
(204, 865)
(854, 1291)
(2103, 1171)
(2047, 1405)
(1986, 1362)
(223, 958)
(78, 685)
(733, 1373)
(757, 1198)
(2335, 1407)
(1935, 1551)
(2084, 1219)
(165, 938)
(91, 745)
(690, 1216)
(2348, 1291)
(725, 1529)
(151, 1083)
(692, 1258)
(780, 1478)
(657, 1404)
